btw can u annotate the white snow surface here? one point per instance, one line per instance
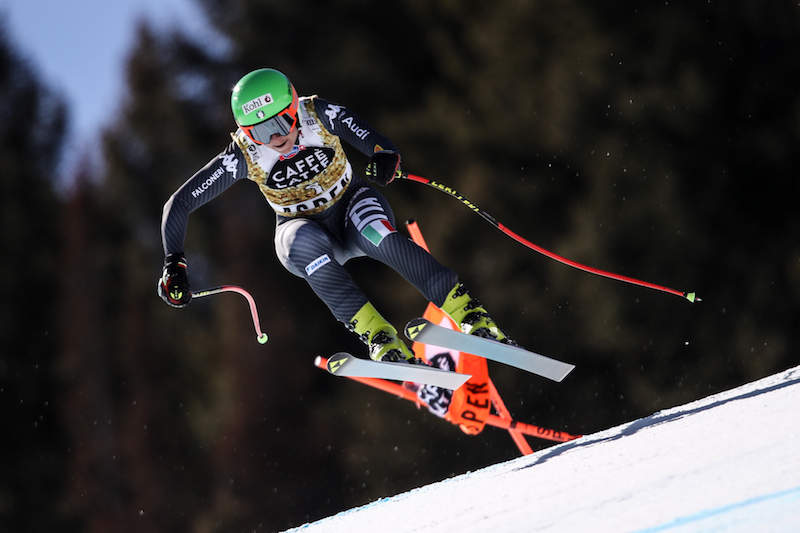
(726, 463)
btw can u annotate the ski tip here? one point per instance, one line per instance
(337, 361)
(467, 377)
(565, 374)
(415, 326)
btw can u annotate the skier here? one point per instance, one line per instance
(326, 215)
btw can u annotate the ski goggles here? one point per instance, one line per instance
(281, 124)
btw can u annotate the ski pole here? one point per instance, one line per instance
(691, 296)
(260, 335)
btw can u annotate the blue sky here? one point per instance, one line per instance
(79, 47)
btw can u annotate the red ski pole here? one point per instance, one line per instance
(260, 335)
(691, 296)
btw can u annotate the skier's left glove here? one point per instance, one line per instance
(173, 286)
(383, 167)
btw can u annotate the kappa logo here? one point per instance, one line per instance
(230, 163)
(332, 112)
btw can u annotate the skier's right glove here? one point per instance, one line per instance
(173, 286)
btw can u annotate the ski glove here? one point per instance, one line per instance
(383, 167)
(173, 287)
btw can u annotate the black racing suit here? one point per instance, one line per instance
(326, 214)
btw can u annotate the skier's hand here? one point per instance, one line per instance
(173, 286)
(383, 167)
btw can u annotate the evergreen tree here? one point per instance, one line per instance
(32, 125)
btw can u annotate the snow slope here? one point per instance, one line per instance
(729, 462)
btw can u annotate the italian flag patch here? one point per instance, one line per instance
(376, 231)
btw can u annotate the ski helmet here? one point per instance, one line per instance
(264, 102)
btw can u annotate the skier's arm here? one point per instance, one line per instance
(211, 180)
(208, 183)
(351, 128)
(384, 158)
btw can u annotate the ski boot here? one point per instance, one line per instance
(380, 337)
(471, 316)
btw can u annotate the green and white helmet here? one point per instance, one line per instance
(264, 103)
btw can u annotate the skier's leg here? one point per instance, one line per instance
(367, 228)
(306, 250)
(380, 336)
(371, 229)
(471, 315)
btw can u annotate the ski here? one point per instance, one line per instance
(426, 332)
(346, 365)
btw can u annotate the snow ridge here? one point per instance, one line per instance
(726, 463)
